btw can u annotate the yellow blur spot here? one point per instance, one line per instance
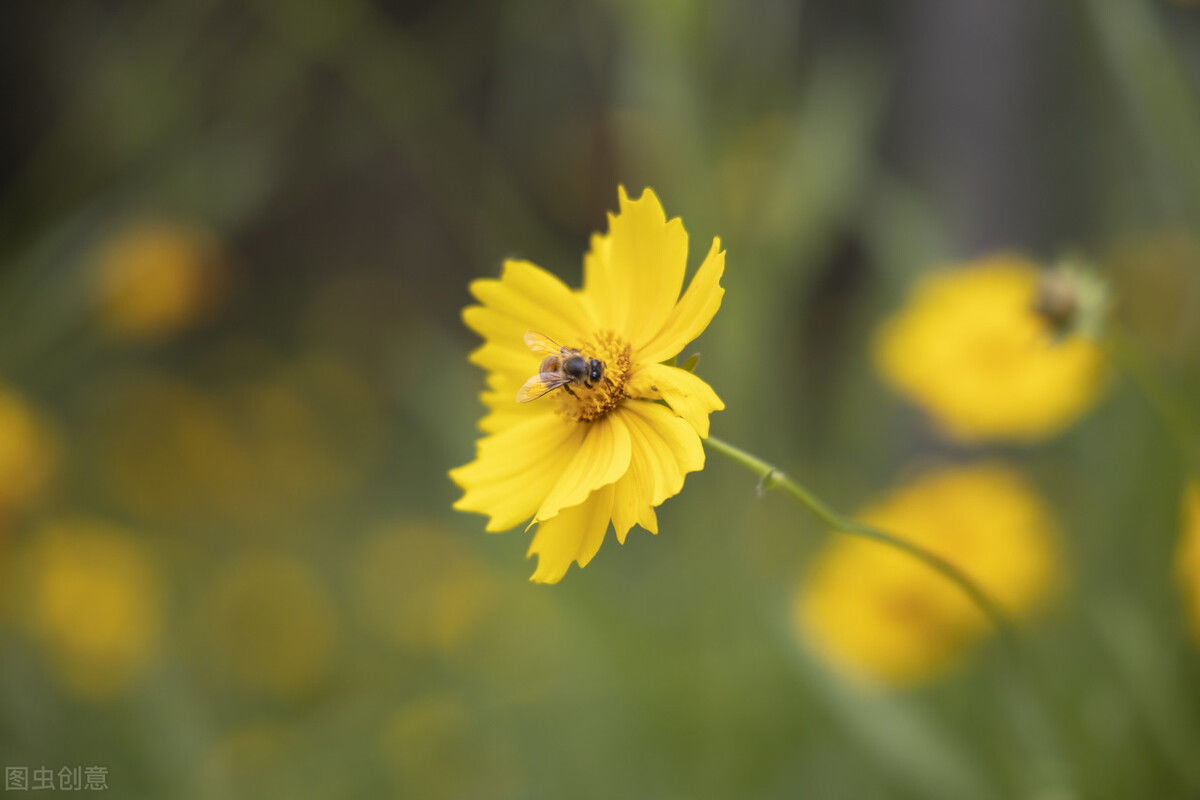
(970, 350)
(881, 615)
(419, 588)
(27, 453)
(257, 450)
(93, 601)
(270, 626)
(155, 279)
(1187, 559)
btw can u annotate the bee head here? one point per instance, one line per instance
(595, 370)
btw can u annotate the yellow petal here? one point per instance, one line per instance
(649, 520)
(635, 491)
(632, 276)
(513, 363)
(687, 395)
(574, 535)
(524, 298)
(600, 459)
(515, 469)
(694, 310)
(665, 449)
(504, 411)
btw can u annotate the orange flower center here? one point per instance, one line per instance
(583, 404)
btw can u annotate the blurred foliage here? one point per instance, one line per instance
(234, 245)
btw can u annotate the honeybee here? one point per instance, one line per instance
(562, 367)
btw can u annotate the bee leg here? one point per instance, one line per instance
(568, 388)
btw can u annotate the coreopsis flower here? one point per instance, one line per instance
(1187, 559)
(607, 431)
(92, 597)
(157, 278)
(979, 349)
(882, 615)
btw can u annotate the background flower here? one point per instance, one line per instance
(157, 278)
(28, 453)
(1187, 559)
(91, 594)
(879, 613)
(971, 350)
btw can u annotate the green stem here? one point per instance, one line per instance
(770, 477)
(1048, 772)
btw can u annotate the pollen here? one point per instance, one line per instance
(587, 405)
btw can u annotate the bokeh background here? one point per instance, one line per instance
(234, 242)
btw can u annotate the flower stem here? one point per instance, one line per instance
(770, 477)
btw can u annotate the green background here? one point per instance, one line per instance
(361, 162)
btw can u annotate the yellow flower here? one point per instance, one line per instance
(157, 278)
(1187, 559)
(27, 453)
(881, 614)
(581, 456)
(94, 601)
(970, 348)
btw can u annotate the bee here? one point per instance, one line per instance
(1057, 299)
(562, 367)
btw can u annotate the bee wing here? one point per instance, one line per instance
(540, 343)
(539, 385)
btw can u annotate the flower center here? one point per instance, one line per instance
(584, 404)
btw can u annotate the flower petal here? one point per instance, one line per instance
(574, 535)
(665, 449)
(687, 395)
(514, 470)
(693, 312)
(536, 299)
(503, 410)
(600, 459)
(634, 492)
(524, 298)
(632, 275)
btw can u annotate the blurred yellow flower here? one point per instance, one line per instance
(94, 601)
(882, 615)
(161, 448)
(419, 588)
(970, 349)
(604, 449)
(270, 624)
(260, 449)
(1187, 559)
(28, 453)
(157, 278)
